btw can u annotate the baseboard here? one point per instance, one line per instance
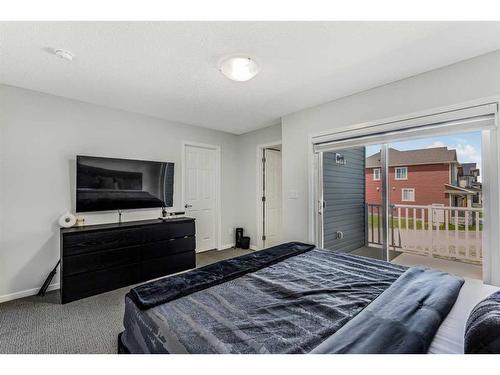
(229, 246)
(26, 293)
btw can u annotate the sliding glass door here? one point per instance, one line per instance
(417, 196)
(435, 197)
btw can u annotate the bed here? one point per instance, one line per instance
(297, 298)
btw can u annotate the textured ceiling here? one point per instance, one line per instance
(168, 69)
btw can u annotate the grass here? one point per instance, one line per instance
(393, 223)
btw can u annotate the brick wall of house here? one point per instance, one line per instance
(427, 180)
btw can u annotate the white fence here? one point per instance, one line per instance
(449, 232)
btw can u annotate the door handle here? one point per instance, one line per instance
(188, 205)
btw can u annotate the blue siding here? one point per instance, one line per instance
(344, 197)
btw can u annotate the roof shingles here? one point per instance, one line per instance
(435, 155)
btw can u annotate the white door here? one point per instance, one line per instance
(200, 194)
(272, 194)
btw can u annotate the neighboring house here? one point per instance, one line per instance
(469, 179)
(431, 176)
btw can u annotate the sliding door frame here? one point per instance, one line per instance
(384, 179)
(395, 129)
(319, 199)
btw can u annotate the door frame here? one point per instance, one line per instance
(259, 243)
(490, 150)
(218, 184)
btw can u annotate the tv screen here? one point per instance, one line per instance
(104, 184)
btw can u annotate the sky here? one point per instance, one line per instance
(468, 146)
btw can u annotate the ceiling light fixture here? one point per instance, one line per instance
(64, 54)
(238, 67)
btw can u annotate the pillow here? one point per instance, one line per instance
(482, 332)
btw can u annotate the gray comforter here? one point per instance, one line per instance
(289, 307)
(295, 306)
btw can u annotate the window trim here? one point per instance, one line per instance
(403, 194)
(374, 174)
(396, 173)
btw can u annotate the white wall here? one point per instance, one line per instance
(468, 80)
(40, 135)
(248, 201)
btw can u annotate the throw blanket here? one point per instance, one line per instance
(404, 319)
(167, 289)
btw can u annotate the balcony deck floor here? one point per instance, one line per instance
(466, 270)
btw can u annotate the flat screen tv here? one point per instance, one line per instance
(104, 184)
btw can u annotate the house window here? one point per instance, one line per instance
(376, 174)
(408, 195)
(401, 173)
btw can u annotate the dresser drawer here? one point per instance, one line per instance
(155, 250)
(86, 242)
(155, 268)
(178, 230)
(180, 245)
(168, 247)
(100, 260)
(90, 283)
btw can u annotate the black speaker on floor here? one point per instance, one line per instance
(239, 234)
(245, 242)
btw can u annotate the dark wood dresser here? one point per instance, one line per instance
(99, 258)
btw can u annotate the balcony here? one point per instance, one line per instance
(444, 238)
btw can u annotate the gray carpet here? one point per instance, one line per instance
(91, 325)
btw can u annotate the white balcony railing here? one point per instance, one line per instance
(449, 232)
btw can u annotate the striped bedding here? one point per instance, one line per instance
(288, 307)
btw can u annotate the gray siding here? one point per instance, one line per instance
(344, 196)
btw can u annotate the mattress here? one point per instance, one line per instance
(449, 338)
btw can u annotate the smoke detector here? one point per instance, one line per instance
(64, 54)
